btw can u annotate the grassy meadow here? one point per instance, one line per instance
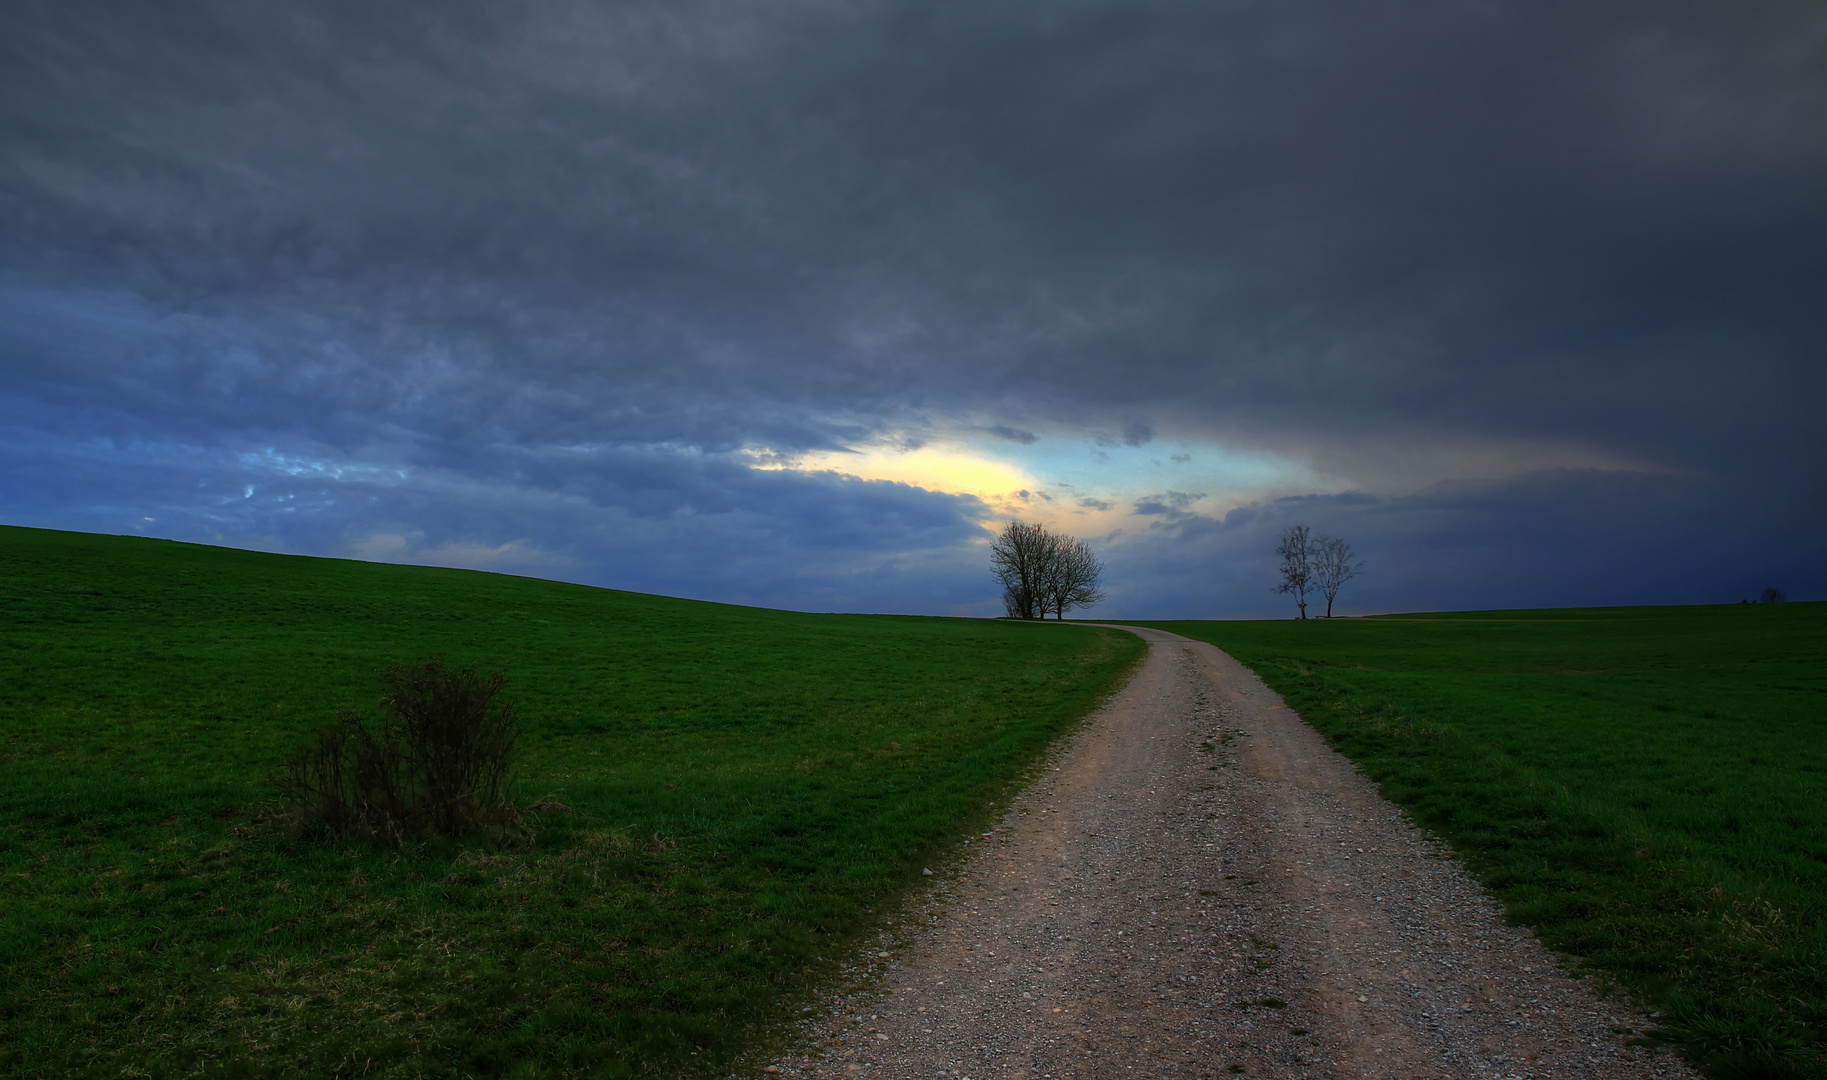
(749, 792)
(1645, 787)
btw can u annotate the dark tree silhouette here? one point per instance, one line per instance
(1772, 595)
(1019, 558)
(1332, 563)
(1041, 572)
(1296, 551)
(1070, 579)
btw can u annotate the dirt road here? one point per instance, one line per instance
(1201, 887)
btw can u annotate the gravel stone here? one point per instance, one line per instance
(1199, 887)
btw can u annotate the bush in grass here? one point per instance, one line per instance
(437, 762)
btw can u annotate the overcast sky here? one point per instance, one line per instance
(794, 303)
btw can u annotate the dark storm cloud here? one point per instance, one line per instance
(1643, 539)
(1014, 435)
(565, 251)
(632, 519)
(1171, 504)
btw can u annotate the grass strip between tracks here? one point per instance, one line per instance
(747, 790)
(1645, 787)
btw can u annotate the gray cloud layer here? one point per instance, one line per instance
(545, 267)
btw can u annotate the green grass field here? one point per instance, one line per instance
(1646, 787)
(751, 791)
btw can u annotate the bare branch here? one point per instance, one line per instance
(1296, 551)
(1072, 580)
(1333, 567)
(1040, 572)
(1020, 558)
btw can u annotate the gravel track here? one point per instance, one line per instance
(1200, 887)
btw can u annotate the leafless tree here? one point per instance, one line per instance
(1771, 595)
(1071, 577)
(1020, 558)
(1296, 551)
(1333, 567)
(1041, 572)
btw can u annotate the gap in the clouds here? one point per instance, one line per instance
(745, 795)
(1090, 483)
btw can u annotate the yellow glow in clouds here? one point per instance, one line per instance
(932, 468)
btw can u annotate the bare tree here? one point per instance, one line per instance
(1771, 595)
(1041, 572)
(1296, 551)
(1020, 558)
(1070, 578)
(1332, 567)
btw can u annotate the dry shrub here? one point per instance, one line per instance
(438, 761)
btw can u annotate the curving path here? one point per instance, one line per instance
(1201, 887)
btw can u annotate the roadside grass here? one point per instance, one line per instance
(749, 792)
(1645, 787)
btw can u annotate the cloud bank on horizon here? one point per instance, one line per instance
(793, 304)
